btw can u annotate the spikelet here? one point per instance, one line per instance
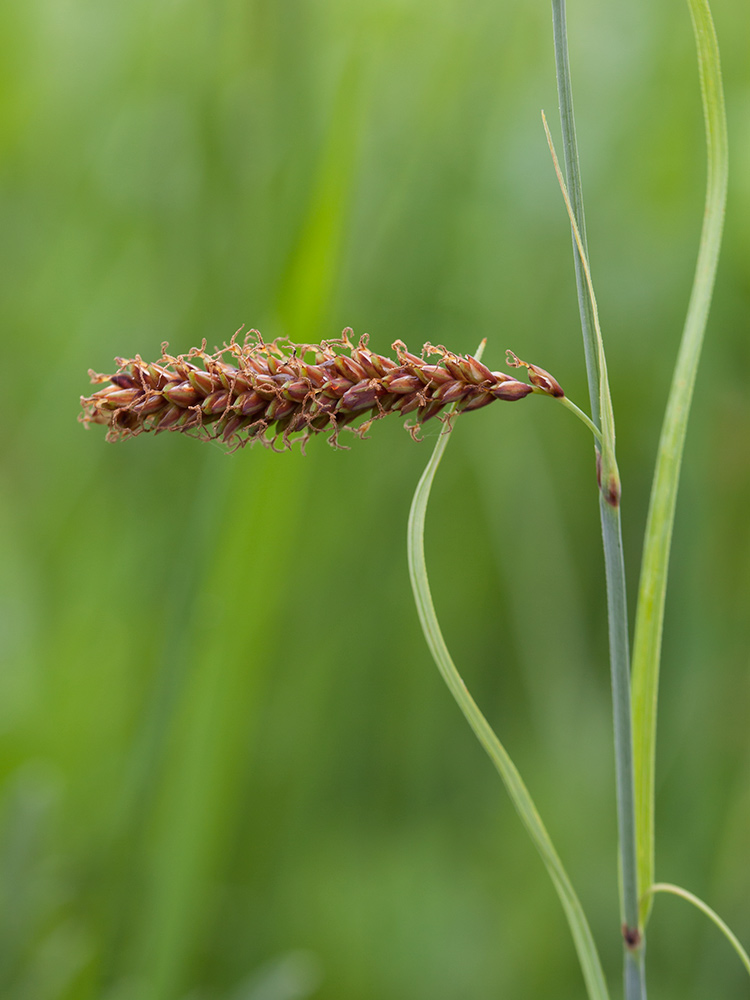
(275, 392)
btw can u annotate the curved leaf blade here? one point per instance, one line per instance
(676, 890)
(658, 537)
(579, 927)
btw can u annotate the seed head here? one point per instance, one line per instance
(273, 393)
(541, 379)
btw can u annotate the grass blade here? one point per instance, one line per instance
(712, 915)
(584, 942)
(658, 537)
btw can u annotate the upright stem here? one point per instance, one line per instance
(635, 988)
(575, 191)
(619, 657)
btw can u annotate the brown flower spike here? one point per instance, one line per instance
(253, 391)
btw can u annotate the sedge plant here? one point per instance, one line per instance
(279, 392)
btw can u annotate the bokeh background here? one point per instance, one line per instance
(229, 768)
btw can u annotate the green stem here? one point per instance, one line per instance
(570, 405)
(573, 172)
(612, 538)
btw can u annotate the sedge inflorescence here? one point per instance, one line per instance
(251, 390)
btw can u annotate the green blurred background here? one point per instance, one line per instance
(229, 768)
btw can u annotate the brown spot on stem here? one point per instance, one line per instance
(631, 936)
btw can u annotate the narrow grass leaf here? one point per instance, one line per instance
(676, 890)
(584, 942)
(658, 537)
